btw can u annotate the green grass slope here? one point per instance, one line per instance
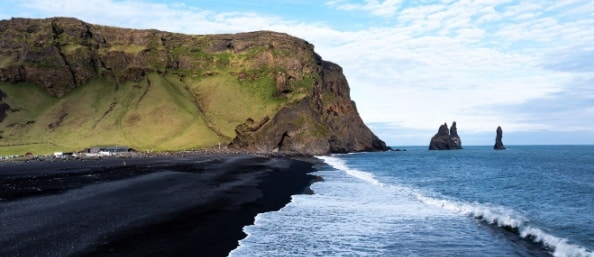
(86, 85)
(159, 113)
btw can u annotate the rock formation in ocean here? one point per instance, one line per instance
(446, 139)
(70, 84)
(498, 143)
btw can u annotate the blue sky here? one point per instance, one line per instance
(527, 66)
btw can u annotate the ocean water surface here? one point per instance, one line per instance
(523, 201)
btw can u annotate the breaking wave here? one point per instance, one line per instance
(495, 215)
(340, 164)
(508, 219)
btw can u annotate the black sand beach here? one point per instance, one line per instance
(192, 205)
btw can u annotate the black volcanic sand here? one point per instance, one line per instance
(154, 206)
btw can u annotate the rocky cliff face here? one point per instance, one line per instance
(498, 143)
(259, 91)
(446, 139)
(327, 121)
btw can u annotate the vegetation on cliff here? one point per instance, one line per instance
(66, 84)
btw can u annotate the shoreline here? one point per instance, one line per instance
(148, 206)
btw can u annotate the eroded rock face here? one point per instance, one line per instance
(446, 139)
(498, 143)
(318, 124)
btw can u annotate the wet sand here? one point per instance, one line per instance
(193, 205)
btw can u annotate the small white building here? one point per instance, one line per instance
(107, 150)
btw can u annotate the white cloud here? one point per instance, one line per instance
(481, 63)
(384, 8)
(438, 65)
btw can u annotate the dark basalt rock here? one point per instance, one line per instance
(498, 144)
(446, 139)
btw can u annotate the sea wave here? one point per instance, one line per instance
(340, 164)
(508, 219)
(496, 215)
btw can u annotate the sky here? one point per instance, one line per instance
(412, 65)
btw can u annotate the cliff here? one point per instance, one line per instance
(446, 139)
(66, 84)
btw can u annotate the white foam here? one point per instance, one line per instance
(349, 215)
(332, 222)
(501, 216)
(353, 213)
(504, 217)
(491, 214)
(340, 164)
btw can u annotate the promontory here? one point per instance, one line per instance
(66, 84)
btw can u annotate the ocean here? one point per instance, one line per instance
(523, 201)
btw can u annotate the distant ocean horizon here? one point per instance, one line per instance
(528, 200)
(491, 145)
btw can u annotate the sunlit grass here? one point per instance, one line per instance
(196, 105)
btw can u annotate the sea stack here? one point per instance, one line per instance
(498, 144)
(446, 139)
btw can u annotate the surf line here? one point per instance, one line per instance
(340, 164)
(493, 215)
(506, 219)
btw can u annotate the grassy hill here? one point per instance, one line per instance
(157, 113)
(66, 85)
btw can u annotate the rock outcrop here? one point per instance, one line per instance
(314, 124)
(446, 139)
(258, 91)
(498, 143)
